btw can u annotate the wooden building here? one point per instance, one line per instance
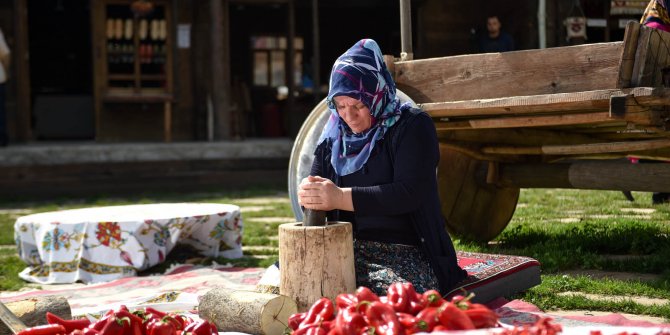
(195, 70)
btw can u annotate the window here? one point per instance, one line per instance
(270, 54)
(136, 49)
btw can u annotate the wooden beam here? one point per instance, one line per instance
(580, 149)
(630, 39)
(595, 175)
(220, 64)
(527, 121)
(577, 102)
(527, 136)
(483, 76)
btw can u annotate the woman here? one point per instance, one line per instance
(374, 166)
(656, 15)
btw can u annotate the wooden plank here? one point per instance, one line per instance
(528, 136)
(526, 121)
(580, 149)
(483, 76)
(575, 102)
(628, 54)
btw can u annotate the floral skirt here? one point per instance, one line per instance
(378, 265)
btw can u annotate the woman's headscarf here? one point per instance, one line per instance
(360, 73)
(656, 15)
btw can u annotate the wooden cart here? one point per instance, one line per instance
(563, 117)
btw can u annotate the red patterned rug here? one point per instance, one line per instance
(492, 276)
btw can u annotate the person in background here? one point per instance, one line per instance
(374, 166)
(495, 40)
(4, 71)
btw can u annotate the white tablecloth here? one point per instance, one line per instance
(105, 243)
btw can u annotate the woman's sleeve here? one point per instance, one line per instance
(317, 164)
(414, 167)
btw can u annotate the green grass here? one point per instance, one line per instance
(566, 230)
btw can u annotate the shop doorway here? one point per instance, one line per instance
(59, 39)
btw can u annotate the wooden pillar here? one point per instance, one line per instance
(220, 68)
(20, 58)
(290, 64)
(316, 57)
(316, 262)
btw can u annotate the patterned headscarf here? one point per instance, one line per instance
(360, 73)
(656, 15)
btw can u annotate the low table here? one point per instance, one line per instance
(105, 243)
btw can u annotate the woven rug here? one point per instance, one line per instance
(177, 290)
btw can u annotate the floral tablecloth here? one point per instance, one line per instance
(105, 243)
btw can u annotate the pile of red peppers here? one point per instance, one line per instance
(147, 321)
(401, 311)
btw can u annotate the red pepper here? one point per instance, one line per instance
(427, 319)
(349, 322)
(158, 327)
(481, 316)
(295, 320)
(98, 325)
(312, 329)
(383, 318)
(417, 304)
(321, 310)
(434, 298)
(202, 327)
(454, 318)
(177, 323)
(116, 326)
(440, 328)
(212, 326)
(398, 297)
(345, 300)
(365, 294)
(69, 325)
(122, 308)
(90, 331)
(51, 329)
(151, 310)
(408, 321)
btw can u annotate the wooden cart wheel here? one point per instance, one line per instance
(472, 210)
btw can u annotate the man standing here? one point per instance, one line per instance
(496, 40)
(4, 70)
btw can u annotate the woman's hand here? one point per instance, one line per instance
(320, 193)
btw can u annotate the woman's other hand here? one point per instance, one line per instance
(320, 193)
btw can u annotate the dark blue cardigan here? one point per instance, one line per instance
(395, 194)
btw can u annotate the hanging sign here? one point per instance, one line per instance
(576, 27)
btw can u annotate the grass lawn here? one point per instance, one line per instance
(569, 231)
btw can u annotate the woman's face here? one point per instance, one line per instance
(354, 113)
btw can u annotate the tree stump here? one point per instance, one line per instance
(316, 262)
(33, 311)
(247, 311)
